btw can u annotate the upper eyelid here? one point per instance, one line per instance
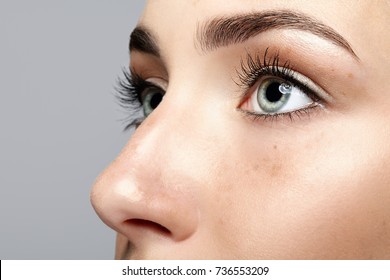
(255, 66)
(306, 84)
(141, 77)
(158, 83)
(144, 84)
(320, 92)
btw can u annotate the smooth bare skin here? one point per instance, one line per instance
(200, 180)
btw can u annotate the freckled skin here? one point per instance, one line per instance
(227, 187)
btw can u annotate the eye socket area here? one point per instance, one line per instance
(274, 95)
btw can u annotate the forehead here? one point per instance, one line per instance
(186, 14)
(178, 21)
(174, 23)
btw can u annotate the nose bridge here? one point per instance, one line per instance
(156, 147)
(147, 185)
(164, 144)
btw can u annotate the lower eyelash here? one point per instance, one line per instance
(286, 116)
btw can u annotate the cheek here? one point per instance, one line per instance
(322, 193)
(245, 178)
(339, 200)
(344, 193)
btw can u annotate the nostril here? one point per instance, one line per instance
(146, 224)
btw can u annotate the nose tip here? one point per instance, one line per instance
(139, 212)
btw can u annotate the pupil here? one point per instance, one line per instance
(155, 100)
(273, 93)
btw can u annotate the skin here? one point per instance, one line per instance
(201, 180)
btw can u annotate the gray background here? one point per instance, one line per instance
(59, 123)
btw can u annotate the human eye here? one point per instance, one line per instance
(139, 96)
(275, 91)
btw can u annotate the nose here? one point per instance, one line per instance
(145, 193)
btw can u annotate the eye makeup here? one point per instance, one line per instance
(255, 70)
(136, 94)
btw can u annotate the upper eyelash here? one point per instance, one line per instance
(126, 89)
(255, 67)
(127, 93)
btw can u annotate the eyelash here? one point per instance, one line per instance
(128, 93)
(129, 88)
(255, 67)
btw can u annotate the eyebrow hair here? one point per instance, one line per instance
(223, 31)
(142, 40)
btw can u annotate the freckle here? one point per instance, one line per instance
(275, 147)
(350, 75)
(221, 221)
(275, 170)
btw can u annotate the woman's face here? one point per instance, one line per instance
(272, 140)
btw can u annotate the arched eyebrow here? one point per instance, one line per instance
(224, 31)
(227, 30)
(142, 40)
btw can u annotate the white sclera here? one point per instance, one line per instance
(297, 98)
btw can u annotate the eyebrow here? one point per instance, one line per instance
(223, 31)
(142, 40)
(227, 30)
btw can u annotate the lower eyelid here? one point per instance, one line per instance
(284, 118)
